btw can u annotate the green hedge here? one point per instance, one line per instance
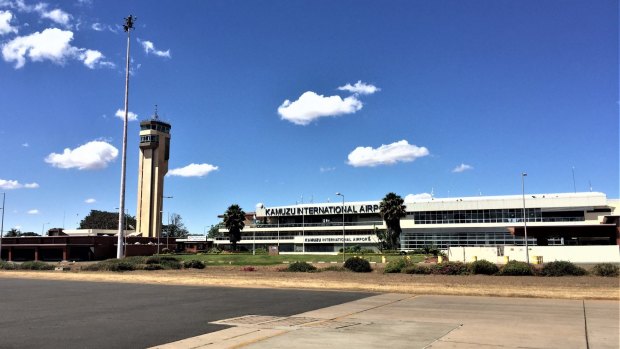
(516, 268)
(36, 266)
(358, 265)
(397, 265)
(417, 269)
(300, 267)
(482, 267)
(606, 269)
(166, 262)
(562, 268)
(193, 264)
(449, 268)
(8, 265)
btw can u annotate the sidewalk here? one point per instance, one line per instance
(439, 322)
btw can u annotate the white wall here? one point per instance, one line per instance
(575, 254)
(470, 254)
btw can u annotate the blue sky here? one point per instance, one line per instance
(283, 101)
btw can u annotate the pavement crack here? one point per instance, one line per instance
(585, 323)
(375, 307)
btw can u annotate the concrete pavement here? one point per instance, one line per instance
(71, 314)
(438, 322)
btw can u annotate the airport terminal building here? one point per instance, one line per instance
(587, 218)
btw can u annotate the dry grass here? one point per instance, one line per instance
(583, 287)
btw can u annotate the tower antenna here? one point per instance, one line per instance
(155, 116)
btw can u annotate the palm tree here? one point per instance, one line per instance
(234, 218)
(392, 209)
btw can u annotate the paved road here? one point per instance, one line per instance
(65, 314)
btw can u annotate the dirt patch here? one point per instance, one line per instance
(583, 287)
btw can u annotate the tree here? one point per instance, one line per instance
(234, 221)
(383, 237)
(175, 228)
(214, 231)
(13, 233)
(29, 233)
(392, 209)
(105, 220)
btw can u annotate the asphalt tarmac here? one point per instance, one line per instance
(66, 314)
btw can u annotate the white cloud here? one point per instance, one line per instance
(33, 211)
(90, 201)
(193, 170)
(311, 106)
(418, 197)
(101, 27)
(360, 88)
(388, 154)
(93, 155)
(57, 15)
(94, 59)
(130, 115)
(149, 48)
(462, 168)
(326, 169)
(25, 145)
(51, 44)
(8, 184)
(5, 23)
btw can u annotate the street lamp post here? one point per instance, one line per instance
(43, 228)
(129, 21)
(254, 238)
(168, 233)
(160, 229)
(125, 233)
(2, 224)
(527, 252)
(343, 236)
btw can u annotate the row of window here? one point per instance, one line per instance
(149, 139)
(156, 127)
(410, 241)
(289, 235)
(493, 216)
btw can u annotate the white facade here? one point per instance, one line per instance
(440, 222)
(537, 254)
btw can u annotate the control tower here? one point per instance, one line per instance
(153, 166)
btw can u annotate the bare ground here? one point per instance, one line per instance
(583, 287)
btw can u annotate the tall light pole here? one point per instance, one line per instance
(2, 224)
(168, 233)
(161, 218)
(254, 238)
(160, 230)
(121, 211)
(527, 252)
(43, 227)
(343, 237)
(125, 233)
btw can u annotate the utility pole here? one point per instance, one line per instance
(121, 207)
(527, 252)
(2, 224)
